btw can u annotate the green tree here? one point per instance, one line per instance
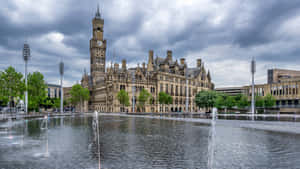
(142, 98)
(259, 101)
(65, 102)
(206, 99)
(123, 98)
(151, 100)
(36, 90)
(164, 98)
(56, 103)
(220, 102)
(11, 85)
(230, 102)
(269, 101)
(243, 102)
(3, 98)
(79, 95)
(169, 99)
(47, 103)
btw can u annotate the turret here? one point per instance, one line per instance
(199, 63)
(144, 66)
(124, 65)
(98, 15)
(182, 61)
(116, 67)
(169, 55)
(150, 61)
(208, 76)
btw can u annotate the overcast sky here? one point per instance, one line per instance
(226, 34)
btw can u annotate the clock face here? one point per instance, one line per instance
(99, 43)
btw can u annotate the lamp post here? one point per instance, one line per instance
(187, 91)
(133, 91)
(253, 70)
(61, 71)
(26, 57)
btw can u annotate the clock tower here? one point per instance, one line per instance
(98, 50)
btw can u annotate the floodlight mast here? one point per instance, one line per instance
(186, 91)
(253, 70)
(61, 71)
(26, 57)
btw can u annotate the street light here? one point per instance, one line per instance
(187, 91)
(253, 70)
(61, 71)
(26, 57)
(133, 91)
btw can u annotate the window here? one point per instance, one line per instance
(152, 89)
(122, 87)
(167, 91)
(181, 93)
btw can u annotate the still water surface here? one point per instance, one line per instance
(133, 142)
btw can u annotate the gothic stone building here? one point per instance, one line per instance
(158, 75)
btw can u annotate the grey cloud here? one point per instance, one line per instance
(260, 21)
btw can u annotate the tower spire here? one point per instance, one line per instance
(98, 15)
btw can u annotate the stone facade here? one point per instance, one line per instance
(53, 91)
(159, 74)
(231, 91)
(286, 92)
(282, 75)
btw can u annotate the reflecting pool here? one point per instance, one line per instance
(138, 142)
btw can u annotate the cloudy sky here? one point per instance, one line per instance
(226, 34)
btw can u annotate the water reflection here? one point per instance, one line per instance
(128, 142)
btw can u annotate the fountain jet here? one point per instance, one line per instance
(211, 143)
(96, 135)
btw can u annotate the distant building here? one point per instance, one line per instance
(232, 91)
(282, 75)
(53, 91)
(283, 85)
(286, 93)
(67, 94)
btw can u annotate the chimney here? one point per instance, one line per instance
(150, 61)
(199, 63)
(124, 65)
(169, 55)
(116, 66)
(182, 61)
(150, 56)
